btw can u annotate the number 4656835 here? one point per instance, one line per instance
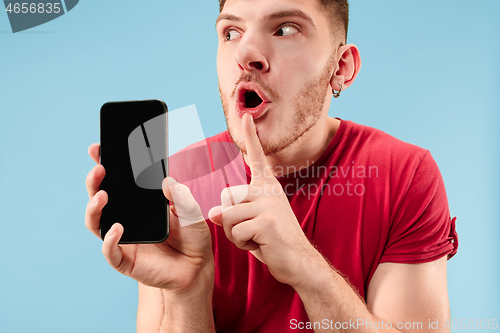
(33, 8)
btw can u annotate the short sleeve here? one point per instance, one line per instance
(422, 230)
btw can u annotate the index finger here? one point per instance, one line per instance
(94, 152)
(256, 159)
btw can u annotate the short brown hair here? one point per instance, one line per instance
(338, 14)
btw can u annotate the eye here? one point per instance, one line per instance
(287, 30)
(231, 34)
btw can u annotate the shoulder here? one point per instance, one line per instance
(379, 142)
(402, 170)
(375, 147)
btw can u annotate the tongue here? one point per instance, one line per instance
(252, 99)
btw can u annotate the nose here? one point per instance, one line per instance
(251, 54)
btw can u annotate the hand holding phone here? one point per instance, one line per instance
(174, 264)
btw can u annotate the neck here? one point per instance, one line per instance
(306, 150)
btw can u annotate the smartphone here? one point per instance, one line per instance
(134, 154)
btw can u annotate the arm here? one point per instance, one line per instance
(150, 309)
(162, 311)
(175, 277)
(265, 224)
(425, 285)
(398, 293)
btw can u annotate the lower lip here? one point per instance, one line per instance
(256, 112)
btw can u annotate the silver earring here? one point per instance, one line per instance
(337, 94)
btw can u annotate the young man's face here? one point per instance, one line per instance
(275, 60)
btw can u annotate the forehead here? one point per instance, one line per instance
(246, 10)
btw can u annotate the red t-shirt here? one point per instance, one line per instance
(370, 198)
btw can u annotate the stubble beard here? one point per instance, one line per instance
(308, 110)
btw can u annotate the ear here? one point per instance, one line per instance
(347, 66)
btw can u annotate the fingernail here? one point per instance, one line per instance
(251, 119)
(171, 182)
(112, 230)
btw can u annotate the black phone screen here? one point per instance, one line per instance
(134, 154)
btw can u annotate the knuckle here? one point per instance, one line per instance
(90, 210)
(237, 234)
(87, 224)
(89, 175)
(88, 179)
(226, 216)
(92, 217)
(188, 209)
(105, 250)
(267, 221)
(248, 208)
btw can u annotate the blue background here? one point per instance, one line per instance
(430, 76)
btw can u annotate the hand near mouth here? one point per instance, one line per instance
(261, 220)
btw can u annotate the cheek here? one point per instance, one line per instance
(295, 71)
(222, 74)
(234, 123)
(223, 69)
(227, 79)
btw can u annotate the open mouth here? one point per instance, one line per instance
(252, 99)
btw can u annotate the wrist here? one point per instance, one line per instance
(200, 288)
(189, 311)
(315, 273)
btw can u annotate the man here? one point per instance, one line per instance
(358, 244)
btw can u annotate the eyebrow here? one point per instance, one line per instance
(227, 17)
(272, 16)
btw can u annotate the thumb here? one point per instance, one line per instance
(215, 215)
(110, 248)
(186, 207)
(166, 189)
